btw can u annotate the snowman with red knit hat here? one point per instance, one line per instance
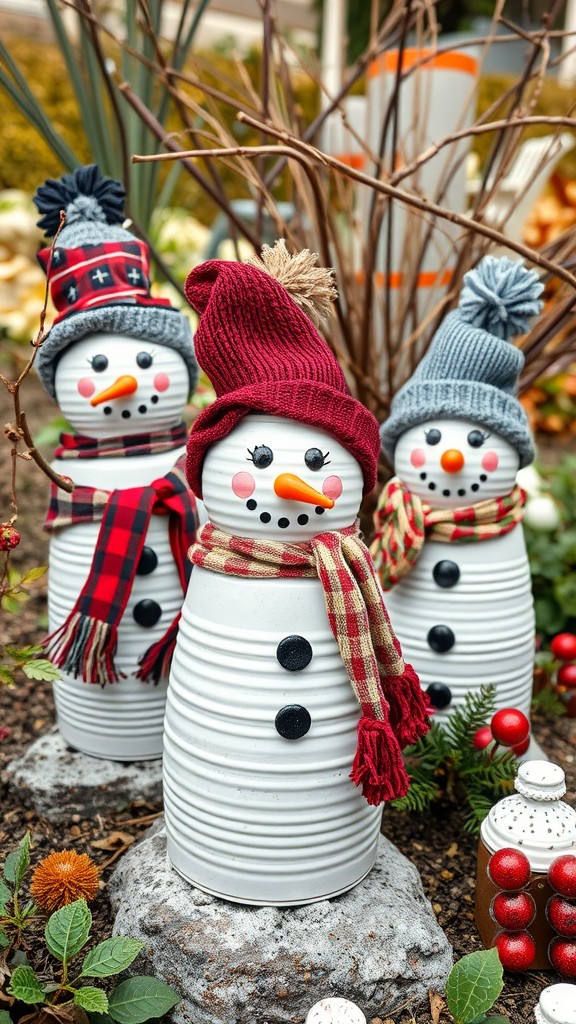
(289, 700)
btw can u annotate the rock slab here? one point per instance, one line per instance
(58, 782)
(378, 945)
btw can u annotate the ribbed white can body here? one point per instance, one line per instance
(121, 721)
(251, 816)
(489, 611)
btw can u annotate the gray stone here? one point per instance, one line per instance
(58, 782)
(378, 945)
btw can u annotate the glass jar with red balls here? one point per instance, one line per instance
(526, 881)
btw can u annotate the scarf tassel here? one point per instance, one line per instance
(378, 766)
(155, 662)
(85, 647)
(409, 707)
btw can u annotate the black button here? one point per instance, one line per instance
(148, 561)
(147, 612)
(294, 653)
(441, 639)
(293, 721)
(446, 573)
(440, 695)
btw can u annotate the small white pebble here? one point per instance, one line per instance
(335, 1011)
(557, 1005)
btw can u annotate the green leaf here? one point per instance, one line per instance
(5, 896)
(24, 985)
(67, 930)
(17, 862)
(23, 653)
(110, 957)
(473, 986)
(6, 675)
(33, 574)
(5, 1017)
(41, 669)
(140, 998)
(90, 998)
(4, 940)
(484, 1019)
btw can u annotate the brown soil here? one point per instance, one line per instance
(444, 854)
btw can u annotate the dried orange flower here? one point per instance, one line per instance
(63, 877)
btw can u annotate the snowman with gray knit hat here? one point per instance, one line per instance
(120, 363)
(449, 545)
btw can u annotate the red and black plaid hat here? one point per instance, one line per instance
(263, 354)
(98, 273)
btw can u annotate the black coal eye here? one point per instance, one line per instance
(315, 459)
(98, 363)
(433, 436)
(144, 360)
(476, 438)
(261, 456)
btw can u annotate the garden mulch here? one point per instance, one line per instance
(444, 854)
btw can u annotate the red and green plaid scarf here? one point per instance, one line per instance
(393, 705)
(85, 645)
(403, 521)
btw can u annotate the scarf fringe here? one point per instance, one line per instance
(378, 765)
(85, 647)
(410, 710)
(155, 662)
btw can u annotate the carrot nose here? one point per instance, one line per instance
(126, 385)
(452, 461)
(291, 487)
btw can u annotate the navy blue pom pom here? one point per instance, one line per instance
(84, 194)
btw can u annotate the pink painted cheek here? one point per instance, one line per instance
(161, 382)
(418, 458)
(332, 487)
(86, 387)
(243, 485)
(490, 462)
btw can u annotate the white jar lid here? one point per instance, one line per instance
(335, 1011)
(557, 1005)
(535, 819)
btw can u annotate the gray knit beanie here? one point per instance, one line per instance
(471, 370)
(98, 273)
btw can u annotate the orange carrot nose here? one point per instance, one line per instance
(452, 461)
(126, 385)
(291, 487)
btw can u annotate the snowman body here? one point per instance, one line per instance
(123, 720)
(261, 718)
(464, 613)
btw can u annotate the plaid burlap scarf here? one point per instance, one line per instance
(403, 521)
(86, 643)
(394, 707)
(78, 446)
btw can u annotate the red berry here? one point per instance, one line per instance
(563, 646)
(509, 869)
(561, 915)
(9, 537)
(567, 675)
(483, 737)
(562, 875)
(562, 956)
(521, 748)
(516, 950)
(509, 726)
(514, 911)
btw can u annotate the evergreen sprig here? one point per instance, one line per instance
(445, 764)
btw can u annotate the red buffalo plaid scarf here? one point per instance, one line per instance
(394, 707)
(403, 521)
(86, 643)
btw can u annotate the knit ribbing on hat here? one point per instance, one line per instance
(263, 354)
(470, 371)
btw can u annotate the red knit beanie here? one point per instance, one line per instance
(263, 354)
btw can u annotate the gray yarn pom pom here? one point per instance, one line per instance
(500, 296)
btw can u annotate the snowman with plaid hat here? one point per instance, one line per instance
(289, 700)
(449, 546)
(120, 364)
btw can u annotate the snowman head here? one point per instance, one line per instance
(274, 478)
(108, 385)
(452, 462)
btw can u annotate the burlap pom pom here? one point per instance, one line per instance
(311, 287)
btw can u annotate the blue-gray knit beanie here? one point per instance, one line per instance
(98, 273)
(471, 370)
